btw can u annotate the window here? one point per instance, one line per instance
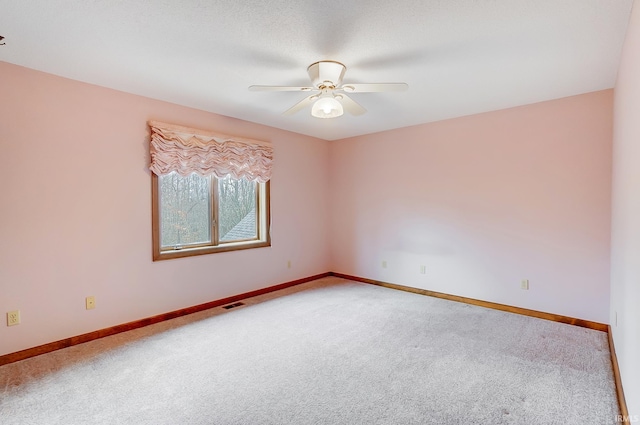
(195, 211)
(201, 215)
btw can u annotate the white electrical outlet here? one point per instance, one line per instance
(423, 269)
(289, 264)
(13, 318)
(524, 284)
(384, 264)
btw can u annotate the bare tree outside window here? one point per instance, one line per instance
(185, 210)
(237, 209)
(187, 215)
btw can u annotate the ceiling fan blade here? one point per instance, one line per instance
(374, 87)
(279, 88)
(350, 105)
(301, 105)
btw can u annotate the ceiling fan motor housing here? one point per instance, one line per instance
(326, 73)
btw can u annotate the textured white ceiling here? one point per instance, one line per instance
(459, 57)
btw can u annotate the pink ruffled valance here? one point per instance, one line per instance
(187, 150)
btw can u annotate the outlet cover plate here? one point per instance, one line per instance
(13, 318)
(91, 303)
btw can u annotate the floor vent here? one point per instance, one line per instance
(234, 305)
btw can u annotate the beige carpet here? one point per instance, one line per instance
(326, 352)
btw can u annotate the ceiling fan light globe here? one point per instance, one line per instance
(327, 107)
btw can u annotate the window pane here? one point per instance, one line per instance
(185, 212)
(237, 209)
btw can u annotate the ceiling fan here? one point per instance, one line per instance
(330, 94)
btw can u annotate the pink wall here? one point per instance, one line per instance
(625, 241)
(75, 216)
(483, 202)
